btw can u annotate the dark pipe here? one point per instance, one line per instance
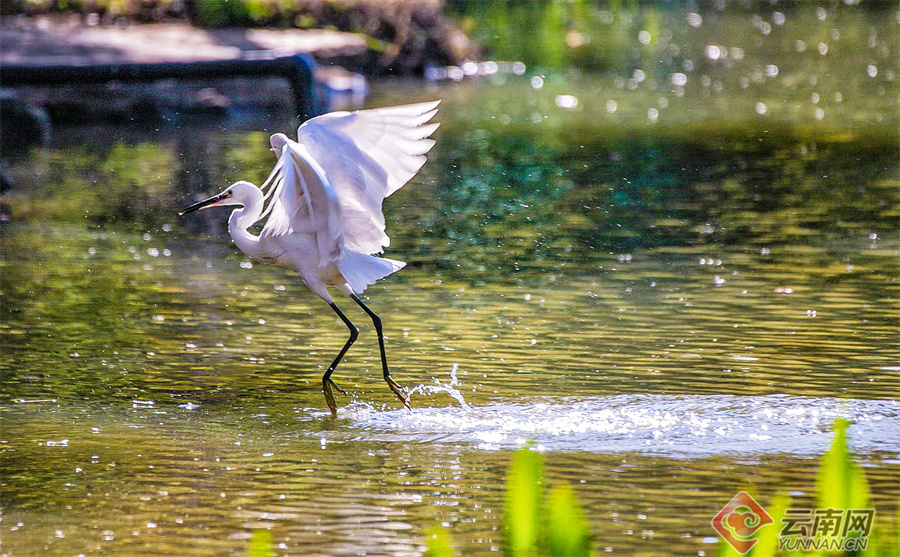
(297, 69)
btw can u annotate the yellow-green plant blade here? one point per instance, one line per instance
(438, 544)
(568, 533)
(524, 493)
(833, 480)
(841, 483)
(767, 540)
(260, 544)
(725, 550)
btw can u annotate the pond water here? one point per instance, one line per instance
(671, 284)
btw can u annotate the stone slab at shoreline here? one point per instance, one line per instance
(43, 41)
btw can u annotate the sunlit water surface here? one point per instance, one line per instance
(685, 426)
(671, 305)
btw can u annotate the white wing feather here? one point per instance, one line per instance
(367, 156)
(330, 184)
(303, 202)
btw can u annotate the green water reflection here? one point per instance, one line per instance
(161, 393)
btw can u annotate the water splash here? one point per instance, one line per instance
(449, 388)
(679, 426)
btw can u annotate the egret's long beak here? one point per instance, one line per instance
(211, 202)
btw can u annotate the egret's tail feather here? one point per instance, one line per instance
(361, 270)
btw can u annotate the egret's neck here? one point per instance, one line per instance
(241, 219)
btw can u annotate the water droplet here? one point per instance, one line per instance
(574, 39)
(566, 101)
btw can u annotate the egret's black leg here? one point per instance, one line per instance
(327, 383)
(398, 390)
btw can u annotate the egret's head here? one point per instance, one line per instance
(278, 141)
(237, 194)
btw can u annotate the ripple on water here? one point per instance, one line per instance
(677, 426)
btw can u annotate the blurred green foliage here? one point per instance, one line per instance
(841, 485)
(535, 525)
(568, 532)
(261, 544)
(439, 544)
(524, 502)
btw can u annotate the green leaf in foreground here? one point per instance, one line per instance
(841, 484)
(438, 544)
(524, 494)
(260, 544)
(568, 533)
(767, 540)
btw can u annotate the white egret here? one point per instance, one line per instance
(324, 216)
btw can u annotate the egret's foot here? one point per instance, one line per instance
(398, 390)
(327, 384)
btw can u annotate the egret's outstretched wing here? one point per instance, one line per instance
(367, 156)
(301, 201)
